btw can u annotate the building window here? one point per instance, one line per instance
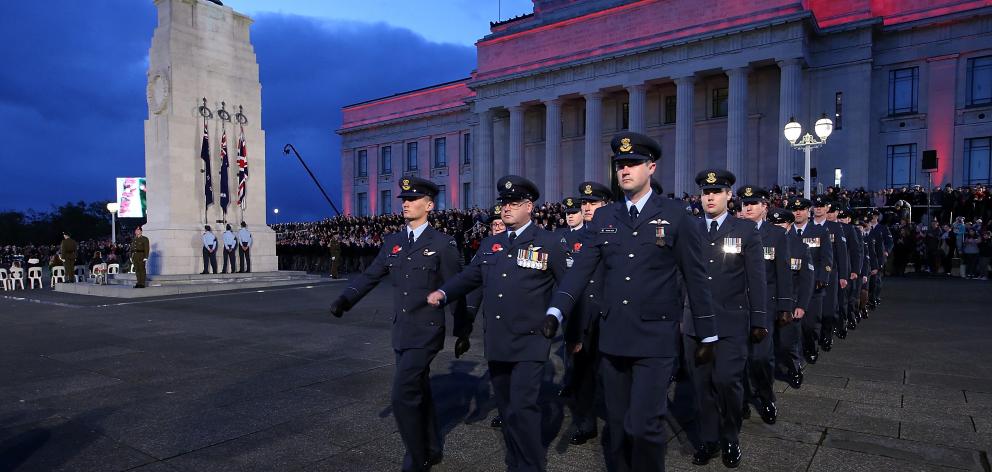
(977, 160)
(411, 156)
(466, 195)
(385, 202)
(363, 204)
(362, 163)
(980, 81)
(440, 152)
(720, 102)
(670, 109)
(838, 110)
(386, 160)
(625, 116)
(901, 165)
(442, 198)
(903, 87)
(467, 152)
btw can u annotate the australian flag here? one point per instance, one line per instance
(224, 165)
(208, 182)
(242, 171)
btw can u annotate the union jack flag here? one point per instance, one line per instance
(242, 170)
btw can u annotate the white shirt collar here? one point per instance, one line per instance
(519, 230)
(719, 220)
(416, 231)
(579, 227)
(797, 227)
(640, 203)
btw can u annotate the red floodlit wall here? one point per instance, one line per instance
(833, 12)
(427, 100)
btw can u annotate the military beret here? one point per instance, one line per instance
(715, 178)
(417, 187)
(780, 215)
(752, 193)
(635, 146)
(513, 188)
(594, 192)
(799, 203)
(571, 204)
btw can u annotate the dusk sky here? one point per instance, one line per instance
(72, 86)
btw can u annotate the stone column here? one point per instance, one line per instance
(637, 99)
(484, 160)
(685, 88)
(737, 123)
(594, 162)
(790, 85)
(552, 145)
(516, 160)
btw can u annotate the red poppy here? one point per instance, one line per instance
(497, 247)
(576, 247)
(396, 248)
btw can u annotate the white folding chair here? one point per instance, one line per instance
(58, 275)
(113, 269)
(100, 274)
(80, 272)
(16, 277)
(5, 279)
(34, 275)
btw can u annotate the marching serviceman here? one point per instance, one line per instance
(760, 378)
(244, 248)
(140, 249)
(209, 250)
(788, 333)
(474, 299)
(643, 244)
(230, 246)
(517, 271)
(870, 268)
(67, 251)
(855, 252)
(839, 273)
(582, 328)
(822, 258)
(416, 261)
(882, 240)
(570, 236)
(735, 269)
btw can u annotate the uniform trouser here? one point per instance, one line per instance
(719, 387)
(228, 256)
(584, 381)
(828, 313)
(209, 258)
(788, 346)
(70, 270)
(139, 270)
(635, 390)
(335, 266)
(811, 321)
(875, 287)
(244, 259)
(760, 379)
(516, 386)
(413, 407)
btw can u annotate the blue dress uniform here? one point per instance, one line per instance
(881, 239)
(415, 264)
(788, 334)
(642, 253)
(855, 252)
(822, 257)
(209, 250)
(760, 379)
(735, 273)
(841, 268)
(517, 271)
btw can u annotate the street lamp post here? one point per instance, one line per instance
(793, 130)
(112, 207)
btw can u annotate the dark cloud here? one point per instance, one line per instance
(72, 96)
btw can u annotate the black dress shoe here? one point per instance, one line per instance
(203, 273)
(768, 413)
(842, 333)
(827, 344)
(851, 324)
(435, 459)
(580, 437)
(704, 454)
(139, 286)
(497, 422)
(796, 380)
(746, 411)
(811, 357)
(732, 455)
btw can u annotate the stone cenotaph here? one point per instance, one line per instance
(201, 49)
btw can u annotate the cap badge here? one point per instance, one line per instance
(405, 185)
(568, 202)
(748, 192)
(588, 189)
(497, 209)
(508, 185)
(625, 145)
(711, 178)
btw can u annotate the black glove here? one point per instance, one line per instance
(705, 353)
(340, 306)
(758, 334)
(462, 346)
(550, 328)
(784, 318)
(820, 285)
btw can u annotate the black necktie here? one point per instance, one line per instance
(410, 242)
(512, 236)
(799, 231)
(633, 212)
(714, 226)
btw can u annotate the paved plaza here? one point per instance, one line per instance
(266, 380)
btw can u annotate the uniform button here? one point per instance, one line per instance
(709, 278)
(634, 233)
(408, 276)
(625, 278)
(664, 317)
(591, 296)
(625, 302)
(499, 295)
(592, 281)
(497, 317)
(631, 255)
(409, 259)
(711, 261)
(404, 310)
(712, 244)
(504, 275)
(404, 293)
(508, 256)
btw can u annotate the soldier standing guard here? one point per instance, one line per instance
(821, 256)
(735, 270)
(209, 250)
(230, 245)
(788, 334)
(334, 247)
(68, 251)
(416, 261)
(760, 378)
(140, 248)
(244, 248)
(838, 276)
(643, 244)
(517, 272)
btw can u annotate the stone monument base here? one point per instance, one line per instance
(121, 285)
(178, 250)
